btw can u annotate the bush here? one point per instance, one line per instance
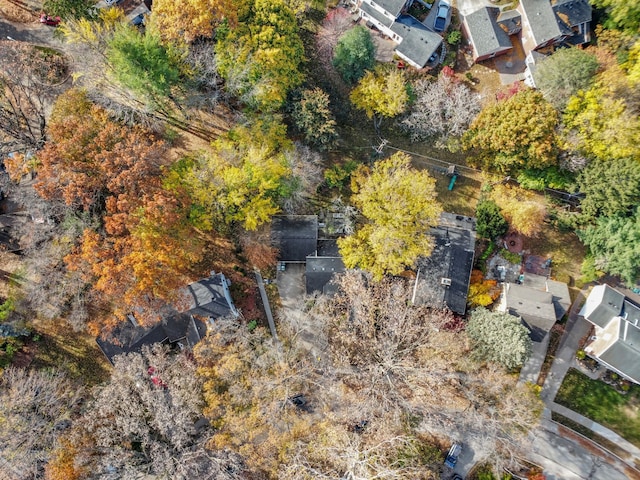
(338, 176)
(580, 354)
(454, 37)
(510, 256)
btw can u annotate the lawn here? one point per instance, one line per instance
(603, 404)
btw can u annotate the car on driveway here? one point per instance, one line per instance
(452, 456)
(48, 20)
(441, 16)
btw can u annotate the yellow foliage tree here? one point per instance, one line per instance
(524, 211)
(400, 205)
(482, 293)
(186, 20)
(381, 94)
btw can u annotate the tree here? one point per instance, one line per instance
(499, 337)
(615, 244)
(611, 188)
(522, 209)
(261, 58)
(36, 407)
(147, 420)
(187, 20)
(622, 14)
(564, 73)
(398, 217)
(482, 293)
(313, 118)
(354, 54)
(516, 133)
(67, 9)
(442, 109)
(381, 94)
(489, 221)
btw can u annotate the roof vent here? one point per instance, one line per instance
(445, 281)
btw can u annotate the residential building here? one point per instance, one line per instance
(487, 38)
(416, 43)
(615, 342)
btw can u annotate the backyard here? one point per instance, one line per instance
(603, 404)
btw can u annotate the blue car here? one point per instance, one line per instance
(441, 16)
(452, 456)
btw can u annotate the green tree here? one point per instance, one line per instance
(499, 337)
(381, 94)
(622, 14)
(260, 59)
(615, 244)
(354, 54)
(515, 133)
(141, 63)
(490, 222)
(564, 73)
(399, 204)
(611, 188)
(524, 211)
(66, 9)
(313, 118)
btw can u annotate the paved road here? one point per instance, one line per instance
(31, 33)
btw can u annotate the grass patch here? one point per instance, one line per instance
(603, 404)
(584, 431)
(77, 354)
(564, 248)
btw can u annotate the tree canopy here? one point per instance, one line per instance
(516, 133)
(522, 209)
(499, 337)
(399, 205)
(382, 93)
(354, 54)
(622, 14)
(564, 73)
(313, 118)
(489, 221)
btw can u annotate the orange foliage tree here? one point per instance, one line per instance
(482, 293)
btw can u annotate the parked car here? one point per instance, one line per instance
(138, 20)
(48, 20)
(452, 456)
(441, 16)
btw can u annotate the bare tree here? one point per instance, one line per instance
(147, 419)
(442, 109)
(35, 408)
(306, 167)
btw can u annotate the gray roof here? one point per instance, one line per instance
(380, 17)
(418, 42)
(535, 307)
(486, 35)
(602, 305)
(451, 259)
(561, 297)
(394, 7)
(510, 21)
(295, 236)
(320, 272)
(542, 20)
(210, 297)
(572, 12)
(623, 358)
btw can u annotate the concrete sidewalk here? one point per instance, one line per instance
(531, 369)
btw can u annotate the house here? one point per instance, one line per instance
(487, 38)
(535, 23)
(295, 236)
(207, 300)
(416, 43)
(615, 342)
(442, 279)
(540, 302)
(322, 267)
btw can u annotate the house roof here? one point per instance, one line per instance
(377, 14)
(128, 338)
(210, 297)
(295, 236)
(320, 272)
(418, 42)
(572, 12)
(451, 260)
(623, 358)
(541, 18)
(485, 34)
(394, 7)
(561, 297)
(535, 307)
(603, 303)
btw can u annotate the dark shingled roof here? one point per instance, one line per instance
(418, 42)
(572, 12)
(320, 271)
(535, 307)
(486, 35)
(210, 297)
(394, 7)
(542, 20)
(295, 236)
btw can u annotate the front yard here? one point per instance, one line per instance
(603, 404)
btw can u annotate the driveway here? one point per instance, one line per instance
(465, 7)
